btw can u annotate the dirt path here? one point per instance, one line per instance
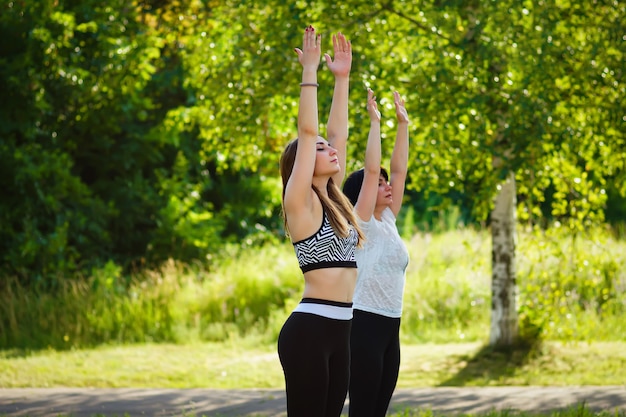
(41, 402)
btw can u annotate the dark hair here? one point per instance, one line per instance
(354, 182)
(336, 205)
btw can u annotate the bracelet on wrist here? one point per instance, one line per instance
(309, 85)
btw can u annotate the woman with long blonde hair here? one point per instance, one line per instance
(314, 343)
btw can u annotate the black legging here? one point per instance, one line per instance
(375, 363)
(314, 352)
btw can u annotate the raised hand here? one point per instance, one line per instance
(372, 107)
(309, 55)
(340, 66)
(401, 113)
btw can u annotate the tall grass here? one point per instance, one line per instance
(569, 289)
(447, 288)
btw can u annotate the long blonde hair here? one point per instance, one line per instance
(337, 206)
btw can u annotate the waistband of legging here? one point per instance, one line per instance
(325, 308)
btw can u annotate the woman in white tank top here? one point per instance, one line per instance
(381, 263)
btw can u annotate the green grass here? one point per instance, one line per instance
(186, 326)
(574, 411)
(229, 365)
(569, 289)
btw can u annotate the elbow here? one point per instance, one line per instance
(398, 172)
(371, 168)
(307, 131)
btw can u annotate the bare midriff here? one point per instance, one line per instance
(334, 284)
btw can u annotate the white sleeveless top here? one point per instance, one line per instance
(381, 264)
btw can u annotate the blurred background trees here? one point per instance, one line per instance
(141, 131)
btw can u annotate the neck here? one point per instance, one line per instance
(321, 184)
(378, 211)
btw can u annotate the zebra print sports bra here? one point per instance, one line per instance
(325, 249)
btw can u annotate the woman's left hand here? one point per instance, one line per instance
(401, 113)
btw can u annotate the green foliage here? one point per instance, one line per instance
(447, 287)
(100, 160)
(569, 290)
(498, 86)
(105, 308)
(138, 132)
(174, 304)
(85, 67)
(239, 297)
(571, 285)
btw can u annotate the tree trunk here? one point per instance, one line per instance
(504, 323)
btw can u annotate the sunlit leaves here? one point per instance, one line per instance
(126, 91)
(526, 73)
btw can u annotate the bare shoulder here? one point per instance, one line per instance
(304, 218)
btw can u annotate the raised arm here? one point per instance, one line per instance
(371, 172)
(338, 118)
(400, 155)
(298, 187)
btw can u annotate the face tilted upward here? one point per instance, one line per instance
(326, 159)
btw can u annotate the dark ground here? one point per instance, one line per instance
(83, 402)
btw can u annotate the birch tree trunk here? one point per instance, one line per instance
(504, 322)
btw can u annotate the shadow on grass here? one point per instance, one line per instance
(493, 363)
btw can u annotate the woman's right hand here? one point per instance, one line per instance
(309, 55)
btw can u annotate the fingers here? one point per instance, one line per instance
(310, 39)
(341, 61)
(372, 106)
(397, 99)
(371, 98)
(401, 112)
(305, 38)
(309, 54)
(341, 44)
